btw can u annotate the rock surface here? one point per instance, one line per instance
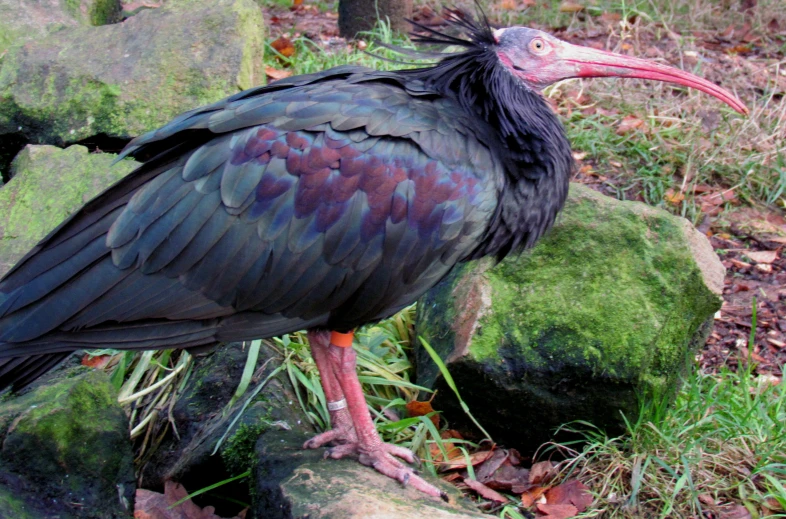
(291, 482)
(33, 19)
(201, 419)
(125, 79)
(612, 303)
(65, 450)
(48, 185)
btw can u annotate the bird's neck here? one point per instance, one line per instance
(530, 141)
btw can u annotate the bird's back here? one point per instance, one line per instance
(327, 200)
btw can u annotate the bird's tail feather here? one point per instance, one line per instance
(21, 371)
(21, 363)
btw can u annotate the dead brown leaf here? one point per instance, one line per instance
(507, 5)
(734, 512)
(152, 505)
(568, 6)
(485, 492)
(532, 495)
(275, 74)
(541, 472)
(572, 492)
(284, 46)
(416, 408)
(97, 362)
(556, 511)
(460, 461)
(672, 197)
(628, 124)
(610, 18)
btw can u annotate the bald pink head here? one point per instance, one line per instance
(539, 60)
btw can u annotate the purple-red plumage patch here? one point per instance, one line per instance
(326, 173)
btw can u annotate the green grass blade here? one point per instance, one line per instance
(446, 375)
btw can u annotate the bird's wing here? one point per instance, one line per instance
(331, 203)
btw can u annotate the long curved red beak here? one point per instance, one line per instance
(589, 62)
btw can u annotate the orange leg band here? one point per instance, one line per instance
(342, 340)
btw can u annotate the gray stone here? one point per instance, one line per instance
(611, 305)
(22, 20)
(48, 185)
(201, 418)
(65, 450)
(292, 482)
(125, 79)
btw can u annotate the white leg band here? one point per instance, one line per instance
(337, 405)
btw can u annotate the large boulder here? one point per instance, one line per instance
(65, 450)
(610, 306)
(292, 482)
(48, 185)
(33, 19)
(125, 79)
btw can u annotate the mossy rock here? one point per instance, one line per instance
(202, 418)
(610, 307)
(33, 19)
(292, 482)
(48, 185)
(125, 79)
(66, 450)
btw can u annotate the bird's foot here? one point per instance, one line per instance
(383, 459)
(342, 433)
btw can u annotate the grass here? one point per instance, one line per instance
(722, 443)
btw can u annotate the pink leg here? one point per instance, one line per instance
(342, 431)
(371, 450)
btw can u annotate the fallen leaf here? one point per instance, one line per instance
(541, 472)
(628, 124)
(507, 5)
(297, 2)
(275, 74)
(97, 362)
(416, 408)
(773, 505)
(152, 505)
(284, 46)
(531, 496)
(762, 256)
(485, 492)
(672, 197)
(610, 18)
(557, 511)
(734, 512)
(572, 492)
(567, 6)
(460, 461)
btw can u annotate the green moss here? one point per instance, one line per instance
(616, 291)
(12, 506)
(48, 185)
(239, 454)
(59, 90)
(68, 419)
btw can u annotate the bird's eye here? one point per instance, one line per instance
(538, 46)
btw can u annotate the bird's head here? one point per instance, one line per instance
(539, 59)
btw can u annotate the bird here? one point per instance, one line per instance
(319, 202)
